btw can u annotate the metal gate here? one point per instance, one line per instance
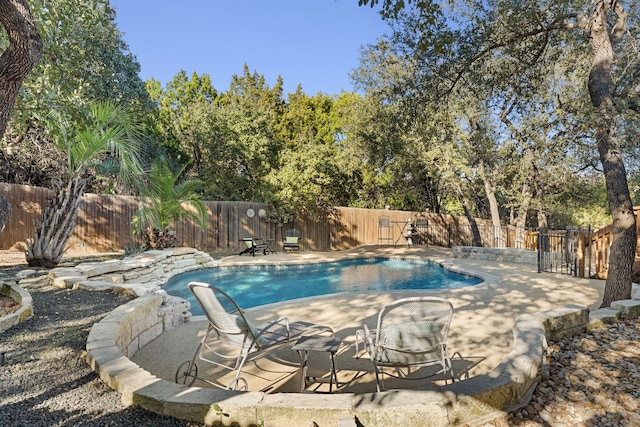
(558, 251)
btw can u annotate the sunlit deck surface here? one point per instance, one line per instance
(480, 336)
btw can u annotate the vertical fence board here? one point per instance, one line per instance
(104, 224)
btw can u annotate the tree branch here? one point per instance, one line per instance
(558, 25)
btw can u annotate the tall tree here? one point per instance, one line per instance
(312, 172)
(606, 26)
(23, 52)
(104, 142)
(520, 33)
(253, 108)
(392, 135)
(228, 137)
(85, 61)
(177, 110)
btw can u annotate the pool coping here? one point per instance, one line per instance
(474, 401)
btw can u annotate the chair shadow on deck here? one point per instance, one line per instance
(279, 371)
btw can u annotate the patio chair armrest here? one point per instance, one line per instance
(273, 323)
(368, 341)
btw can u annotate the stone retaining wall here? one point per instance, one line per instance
(20, 296)
(480, 399)
(514, 256)
(141, 275)
(137, 275)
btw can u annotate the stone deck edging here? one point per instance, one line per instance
(136, 275)
(20, 296)
(480, 399)
(510, 255)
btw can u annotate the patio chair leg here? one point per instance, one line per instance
(359, 337)
(448, 366)
(379, 378)
(235, 384)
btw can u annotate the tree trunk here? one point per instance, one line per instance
(5, 211)
(157, 239)
(490, 191)
(543, 225)
(539, 201)
(521, 219)
(55, 227)
(623, 247)
(477, 239)
(24, 51)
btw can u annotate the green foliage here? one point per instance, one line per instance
(164, 199)
(509, 72)
(174, 119)
(102, 143)
(402, 143)
(452, 104)
(314, 170)
(227, 138)
(308, 183)
(85, 60)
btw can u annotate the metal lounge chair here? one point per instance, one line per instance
(411, 333)
(291, 240)
(229, 330)
(251, 244)
(384, 230)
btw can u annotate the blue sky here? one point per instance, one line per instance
(310, 42)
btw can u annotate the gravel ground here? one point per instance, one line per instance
(593, 381)
(45, 381)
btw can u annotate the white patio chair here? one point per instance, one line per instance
(229, 328)
(411, 334)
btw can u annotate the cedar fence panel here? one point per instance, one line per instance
(104, 224)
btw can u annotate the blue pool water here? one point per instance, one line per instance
(252, 286)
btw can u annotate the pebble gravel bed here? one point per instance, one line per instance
(45, 381)
(593, 381)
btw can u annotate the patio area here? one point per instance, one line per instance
(481, 334)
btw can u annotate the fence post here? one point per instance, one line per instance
(580, 253)
(539, 248)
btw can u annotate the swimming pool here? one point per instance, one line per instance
(252, 286)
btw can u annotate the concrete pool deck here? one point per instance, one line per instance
(482, 330)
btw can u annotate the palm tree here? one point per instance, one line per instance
(163, 201)
(103, 142)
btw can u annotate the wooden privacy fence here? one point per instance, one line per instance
(601, 242)
(104, 224)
